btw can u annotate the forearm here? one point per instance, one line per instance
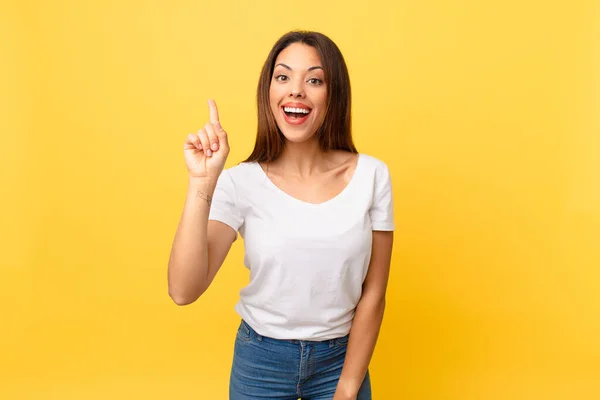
(188, 262)
(363, 337)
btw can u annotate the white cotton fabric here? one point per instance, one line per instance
(307, 261)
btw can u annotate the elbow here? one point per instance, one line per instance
(375, 303)
(181, 290)
(182, 299)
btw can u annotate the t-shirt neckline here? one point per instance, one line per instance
(338, 196)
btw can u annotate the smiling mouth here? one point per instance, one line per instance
(296, 113)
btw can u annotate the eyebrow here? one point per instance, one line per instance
(290, 68)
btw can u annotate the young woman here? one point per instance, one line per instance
(317, 221)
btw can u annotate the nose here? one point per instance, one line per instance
(296, 91)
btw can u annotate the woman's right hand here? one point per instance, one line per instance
(206, 151)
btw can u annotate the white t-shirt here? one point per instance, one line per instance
(307, 261)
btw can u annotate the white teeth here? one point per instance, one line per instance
(296, 110)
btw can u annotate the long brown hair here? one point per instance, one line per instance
(336, 131)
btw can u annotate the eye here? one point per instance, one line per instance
(281, 78)
(315, 81)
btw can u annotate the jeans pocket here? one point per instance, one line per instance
(245, 333)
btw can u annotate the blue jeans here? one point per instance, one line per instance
(267, 368)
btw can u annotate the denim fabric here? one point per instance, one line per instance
(267, 368)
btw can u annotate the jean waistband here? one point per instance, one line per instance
(328, 342)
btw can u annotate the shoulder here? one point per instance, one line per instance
(241, 171)
(374, 165)
(244, 178)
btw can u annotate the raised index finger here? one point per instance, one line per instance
(214, 113)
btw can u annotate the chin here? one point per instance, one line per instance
(297, 137)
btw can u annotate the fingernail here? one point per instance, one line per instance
(215, 146)
(209, 152)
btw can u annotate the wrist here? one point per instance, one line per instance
(202, 189)
(207, 185)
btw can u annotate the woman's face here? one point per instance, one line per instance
(298, 92)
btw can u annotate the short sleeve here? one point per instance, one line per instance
(224, 203)
(382, 208)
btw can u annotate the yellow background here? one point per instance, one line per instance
(485, 111)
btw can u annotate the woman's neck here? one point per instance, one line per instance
(301, 159)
